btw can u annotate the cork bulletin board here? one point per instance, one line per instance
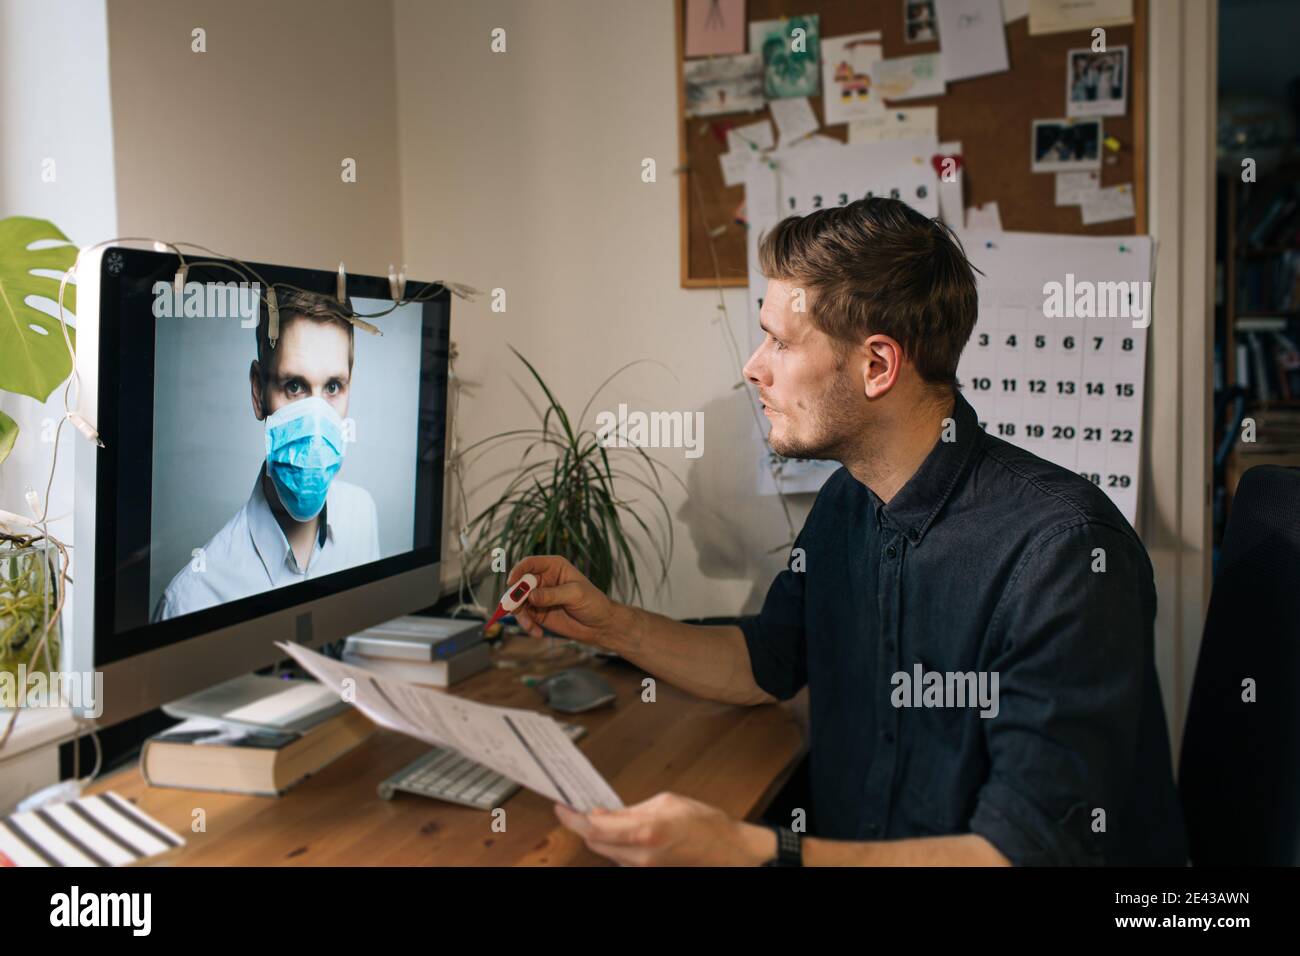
(992, 116)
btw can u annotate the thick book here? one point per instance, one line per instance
(440, 673)
(198, 755)
(416, 638)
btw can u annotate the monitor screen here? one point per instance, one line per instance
(242, 476)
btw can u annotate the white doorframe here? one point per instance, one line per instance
(1176, 520)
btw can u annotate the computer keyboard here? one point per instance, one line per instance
(446, 775)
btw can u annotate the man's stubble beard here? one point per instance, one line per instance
(836, 426)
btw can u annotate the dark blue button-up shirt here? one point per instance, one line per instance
(990, 563)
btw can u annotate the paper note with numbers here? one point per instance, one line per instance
(1056, 361)
(800, 181)
(529, 748)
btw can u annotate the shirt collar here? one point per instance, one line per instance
(913, 509)
(272, 546)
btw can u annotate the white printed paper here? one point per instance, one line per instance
(1071, 188)
(1107, 205)
(948, 163)
(794, 118)
(751, 136)
(985, 218)
(734, 165)
(1059, 16)
(529, 748)
(917, 122)
(1056, 361)
(974, 38)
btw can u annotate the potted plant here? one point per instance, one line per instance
(569, 497)
(34, 360)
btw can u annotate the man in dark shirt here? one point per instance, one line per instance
(974, 623)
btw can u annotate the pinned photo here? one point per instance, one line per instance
(1063, 145)
(1096, 83)
(919, 22)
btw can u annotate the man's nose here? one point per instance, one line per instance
(750, 371)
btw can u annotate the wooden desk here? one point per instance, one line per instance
(735, 758)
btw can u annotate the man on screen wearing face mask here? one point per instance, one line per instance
(299, 522)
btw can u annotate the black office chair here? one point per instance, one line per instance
(1240, 770)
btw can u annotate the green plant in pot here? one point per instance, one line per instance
(34, 361)
(566, 497)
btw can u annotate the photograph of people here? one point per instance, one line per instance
(1095, 82)
(300, 521)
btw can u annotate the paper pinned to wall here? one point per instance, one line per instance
(985, 218)
(974, 38)
(715, 27)
(724, 84)
(847, 91)
(909, 77)
(1108, 205)
(1014, 9)
(751, 136)
(1071, 188)
(734, 165)
(794, 118)
(948, 163)
(917, 122)
(1057, 358)
(1060, 16)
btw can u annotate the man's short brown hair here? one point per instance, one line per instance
(295, 305)
(877, 266)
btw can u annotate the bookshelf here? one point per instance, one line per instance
(1260, 315)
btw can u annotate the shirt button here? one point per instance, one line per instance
(888, 736)
(913, 535)
(891, 551)
(873, 829)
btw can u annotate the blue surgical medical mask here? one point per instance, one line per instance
(304, 451)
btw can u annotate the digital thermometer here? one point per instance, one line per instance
(513, 598)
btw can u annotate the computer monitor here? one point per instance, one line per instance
(247, 491)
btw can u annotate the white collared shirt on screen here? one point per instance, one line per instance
(250, 554)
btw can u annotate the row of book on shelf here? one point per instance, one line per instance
(1268, 359)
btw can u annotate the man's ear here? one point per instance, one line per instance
(255, 386)
(883, 359)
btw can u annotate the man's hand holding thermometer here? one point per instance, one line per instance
(559, 599)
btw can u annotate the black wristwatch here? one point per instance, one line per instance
(789, 848)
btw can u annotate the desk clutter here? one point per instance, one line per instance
(437, 652)
(99, 830)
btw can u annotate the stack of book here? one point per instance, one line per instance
(206, 754)
(1268, 359)
(437, 652)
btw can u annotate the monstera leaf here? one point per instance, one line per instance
(33, 356)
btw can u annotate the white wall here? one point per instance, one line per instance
(522, 171)
(240, 148)
(53, 105)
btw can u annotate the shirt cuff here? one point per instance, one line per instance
(1028, 837)
(769, 675)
